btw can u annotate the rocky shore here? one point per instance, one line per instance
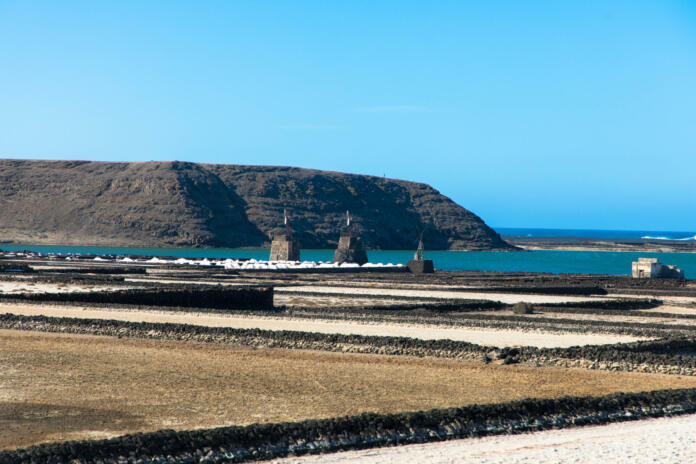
(603, 244)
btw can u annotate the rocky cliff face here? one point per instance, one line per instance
(188, 204)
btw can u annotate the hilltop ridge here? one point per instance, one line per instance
(218, 205)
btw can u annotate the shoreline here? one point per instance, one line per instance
(602, 244)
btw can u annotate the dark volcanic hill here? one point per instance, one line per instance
(217, 205)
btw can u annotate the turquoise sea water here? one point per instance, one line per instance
(590, 262)
(597, 233)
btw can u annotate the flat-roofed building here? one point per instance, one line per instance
(652, 267)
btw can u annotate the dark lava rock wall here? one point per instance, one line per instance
(189, 204)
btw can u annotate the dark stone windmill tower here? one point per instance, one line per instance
(420, 265)
(350, 248)
(284, 246)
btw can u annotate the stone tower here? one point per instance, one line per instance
(284, 246)
(420, 265)
(350, 248)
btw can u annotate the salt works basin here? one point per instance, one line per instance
(552, 261)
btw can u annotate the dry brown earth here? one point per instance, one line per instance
(59, 386)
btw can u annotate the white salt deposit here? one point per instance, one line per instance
(272, 265)
(234, 264)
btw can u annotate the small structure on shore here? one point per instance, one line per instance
(284, 246)
(420, 265)
(652, 267)
(350, 248)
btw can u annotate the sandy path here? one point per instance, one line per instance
(479, 336)
(32, 287)
(574, 317)
(509, 298)
(664, 440)
(672, 309)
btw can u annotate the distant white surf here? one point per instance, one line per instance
(648, 237)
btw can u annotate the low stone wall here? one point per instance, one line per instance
(66, 278)
(644, 356)
(543, 290)
(434, 305)
(619, 304)
(97, 270)
(267, 441)
(205, 296)
(12, 267)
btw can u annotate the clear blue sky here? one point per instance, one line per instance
(531, 114)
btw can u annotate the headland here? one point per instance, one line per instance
(181, 204)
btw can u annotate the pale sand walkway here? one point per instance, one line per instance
(662, 441)
(479, 336)
(31, 287)
(570, 317)
(509, 298)
(673, 309)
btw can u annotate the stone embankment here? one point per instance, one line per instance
(213, 297)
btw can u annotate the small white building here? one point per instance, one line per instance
(652, 267)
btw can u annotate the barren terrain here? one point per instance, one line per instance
(60, 387)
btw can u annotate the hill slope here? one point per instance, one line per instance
(188, 204)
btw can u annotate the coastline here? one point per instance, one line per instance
(602, 244)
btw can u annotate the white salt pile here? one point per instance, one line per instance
(246, 264)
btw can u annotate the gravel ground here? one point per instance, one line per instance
(480, 336)
(509, 298)
(664, 440)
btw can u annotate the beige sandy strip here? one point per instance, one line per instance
(479, 336)
(678, 310)
(32, 287)
(573, 317)
(509, 298)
